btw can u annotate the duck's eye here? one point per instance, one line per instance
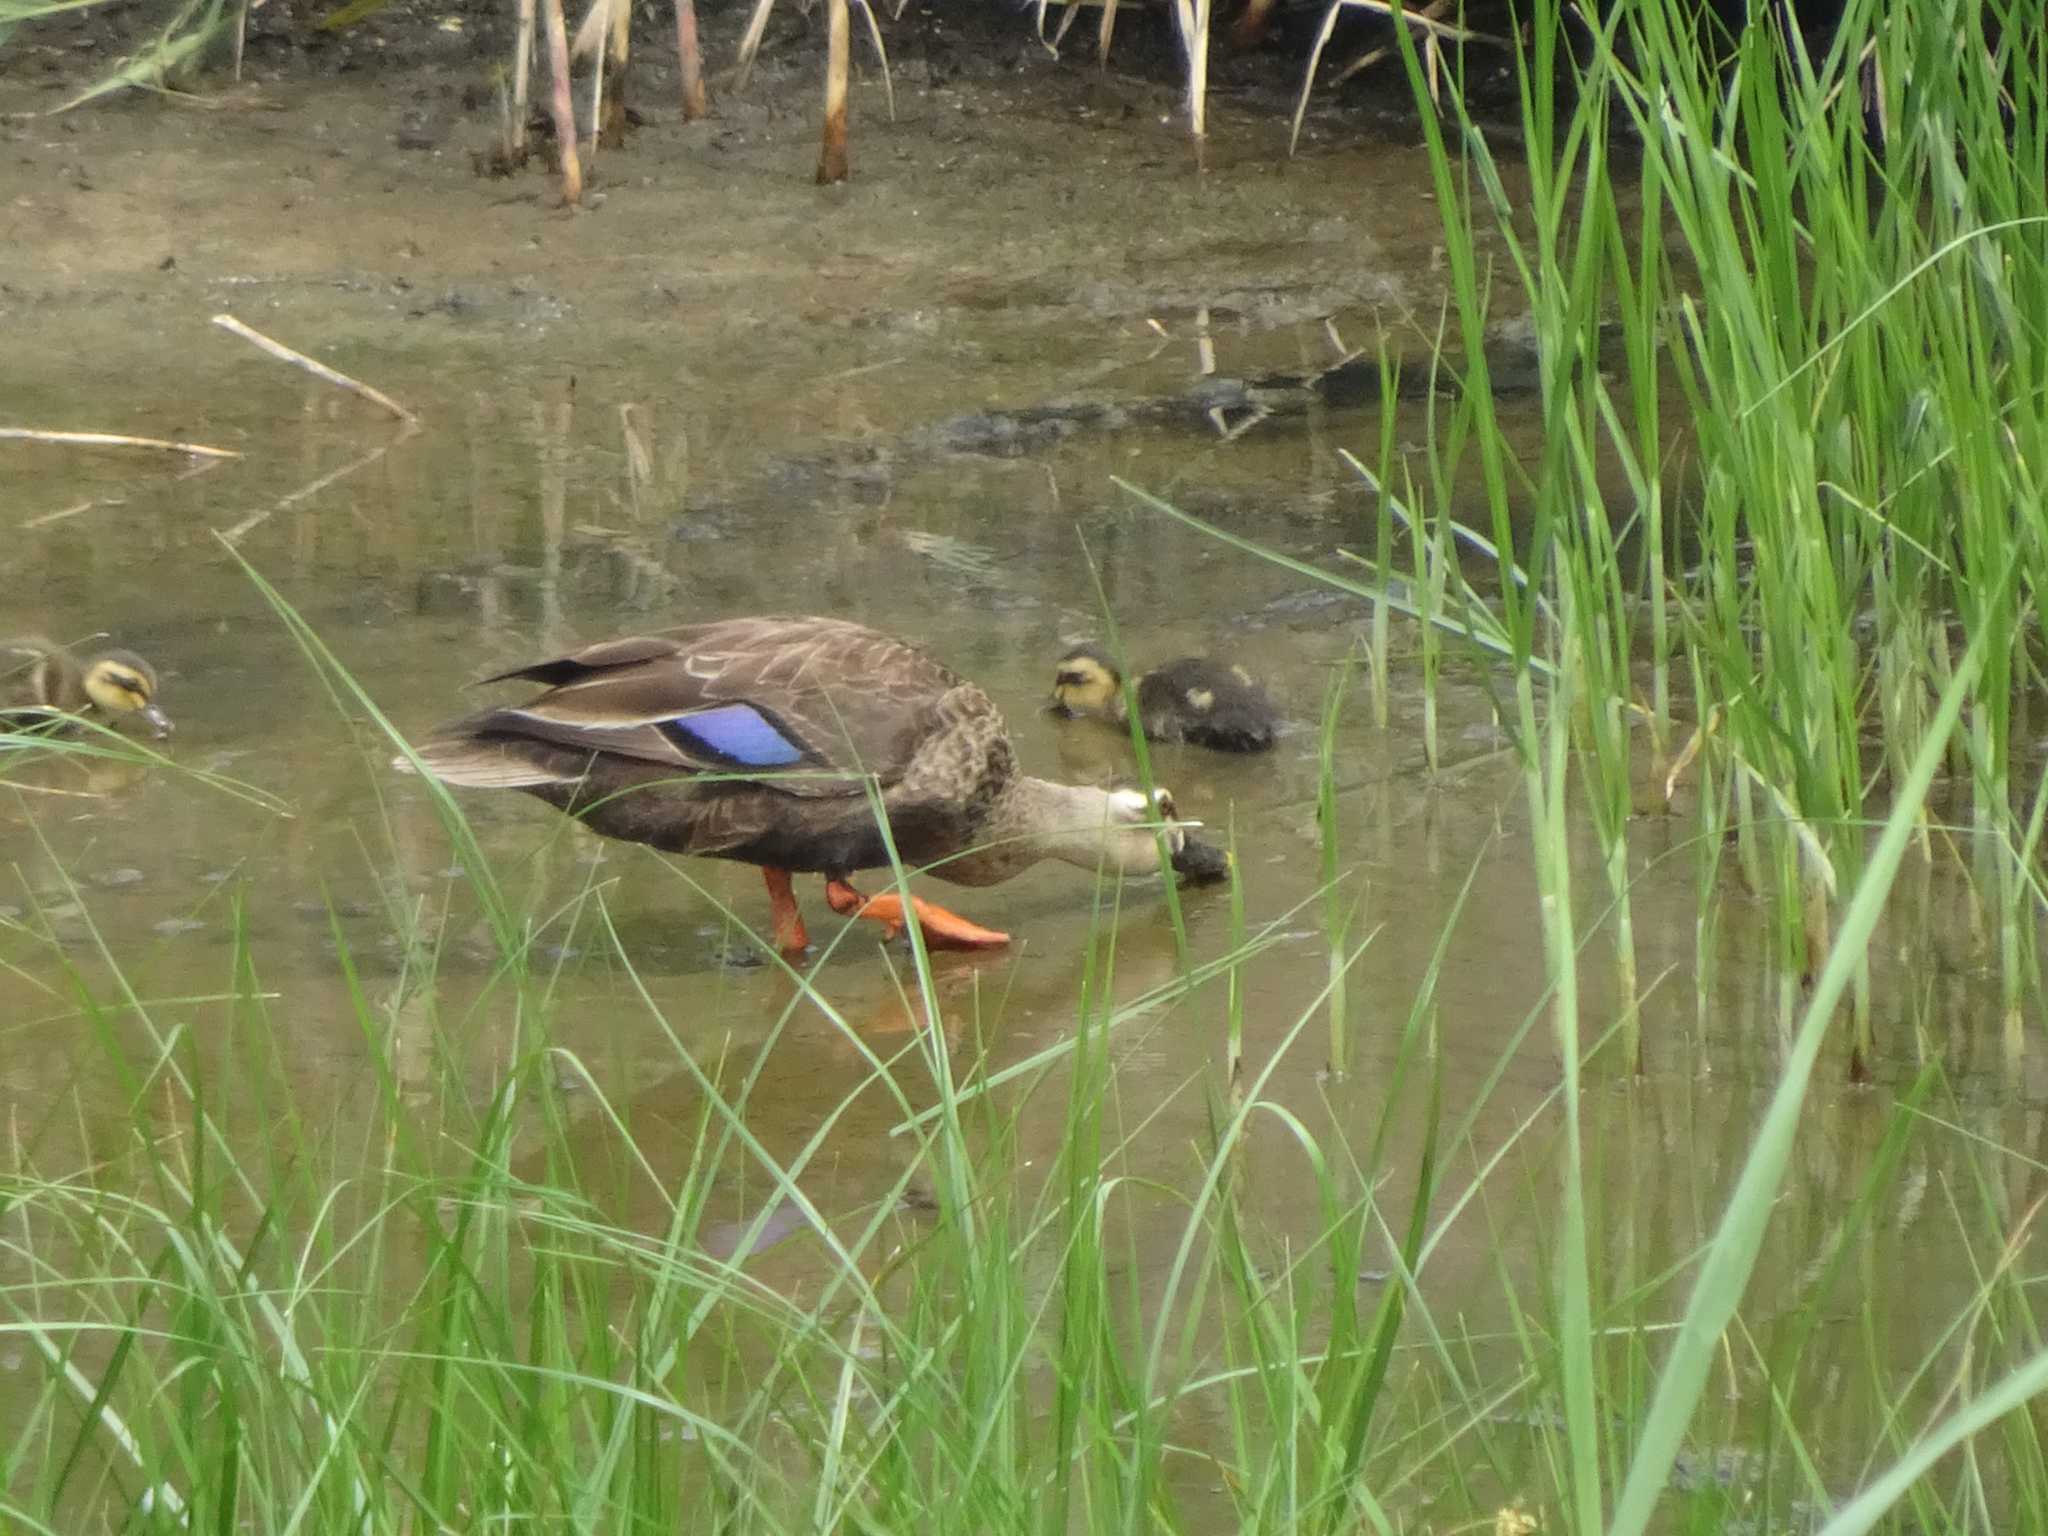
(128, 682)
(1069, 680)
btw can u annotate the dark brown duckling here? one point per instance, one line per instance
(1195, 698)
(38, 677)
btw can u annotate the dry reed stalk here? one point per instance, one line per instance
(1069, 9)
(319, 370)
(1192, 16)
(1434, 33)
(832, 164)
(750, 42)
(51, 789)
(601, 136)
(561, 105)
(690, 61)
(113, 440)
(867, 12)
(58, 516)
(605, 37)
(522, 83)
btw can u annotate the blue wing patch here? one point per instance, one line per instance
(734, 733)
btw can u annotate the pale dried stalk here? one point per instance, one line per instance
(319, 370)
(690, 61)
(1069, 9)
(561, 105)
(832, 164)
(605, 36)
(875, 35)
(58, 516)
(113, 440)
(1192, 17)
(1435, 32)
(522, 82)
(750, 42)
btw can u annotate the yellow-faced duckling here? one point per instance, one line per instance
(1210, 703)
(756, 739)
(41, 678)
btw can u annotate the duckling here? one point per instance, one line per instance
(771, 740)
(38, 677)
(1195, 698)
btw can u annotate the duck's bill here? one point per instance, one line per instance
(159, 722)
(1201, 862)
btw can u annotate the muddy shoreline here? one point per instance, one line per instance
(1012, 190)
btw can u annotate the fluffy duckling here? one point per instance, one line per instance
(38, 677)
(1197, 699)
(768, 741)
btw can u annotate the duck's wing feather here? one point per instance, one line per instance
(821, 701)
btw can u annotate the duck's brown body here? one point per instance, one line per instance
(769, 740)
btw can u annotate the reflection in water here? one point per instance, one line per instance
(534, 513)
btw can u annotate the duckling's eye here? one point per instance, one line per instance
(128, 682)
(1069, 679)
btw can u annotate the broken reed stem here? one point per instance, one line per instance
(561, 106)
(114, 440)
(318, 369)
(867, 12)
(690, 61)
(58, 516)
(522, 81)
(750, 43)
(597, 63)
(832, 164)
(1192, 16)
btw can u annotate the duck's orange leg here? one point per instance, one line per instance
(790, 936)
(942, 929)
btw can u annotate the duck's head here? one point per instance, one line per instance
(1135, 828)
(1086, 682)
(121, 683)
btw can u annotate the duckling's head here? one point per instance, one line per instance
(122, 683)
(1086, 682)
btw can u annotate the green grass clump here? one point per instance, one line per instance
(1797, 300)
(1791, 315)
(488, 1293)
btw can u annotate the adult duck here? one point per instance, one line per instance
(773, 741)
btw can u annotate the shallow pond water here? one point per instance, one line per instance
(705, 398)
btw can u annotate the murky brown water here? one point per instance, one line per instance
(693, 401)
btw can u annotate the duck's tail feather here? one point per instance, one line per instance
(480, 765)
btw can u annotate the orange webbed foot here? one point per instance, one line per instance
(790, 935)
(942, 929)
